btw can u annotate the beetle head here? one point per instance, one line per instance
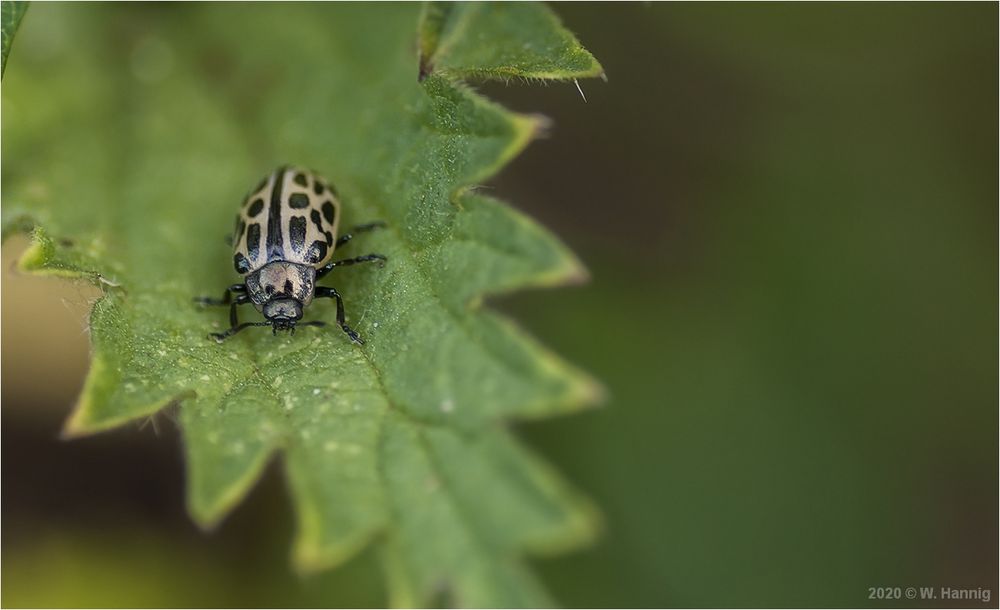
(283, 313)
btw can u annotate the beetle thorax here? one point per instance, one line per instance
(279, 280)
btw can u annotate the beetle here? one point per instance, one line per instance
(283, 242)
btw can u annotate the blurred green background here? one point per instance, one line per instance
(790, 214)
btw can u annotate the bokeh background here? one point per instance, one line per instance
(790, 215)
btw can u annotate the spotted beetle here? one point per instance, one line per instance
(282, 244)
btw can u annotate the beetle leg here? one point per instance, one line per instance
(234, 322)
(220, 337)
(331, 293)
(240, 300)
(371, 226)
(351, 261)
(226, 296)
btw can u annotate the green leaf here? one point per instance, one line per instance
(129, 149)
(11, 12)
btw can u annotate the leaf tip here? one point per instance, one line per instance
(540, 125)
(585, 393)
(208, 502)
(309, 558)
(75, 426)
(310, 555)
(206, 517)
(527, 128)
(592, 393)
(81, 421)
(573, 272)
(584, 526)
(39, 251)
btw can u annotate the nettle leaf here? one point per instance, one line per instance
(129, 141)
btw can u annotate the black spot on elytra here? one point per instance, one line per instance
(288, 287)
(329, 212)
(255, 207)
(318, 188)
(297, 233)
(253, 241)
(240, 263)
(315, 218)
(275, 239)
(298, 201)
(317, 252)
(300, 179)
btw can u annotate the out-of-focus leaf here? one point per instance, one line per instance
(11, 12)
